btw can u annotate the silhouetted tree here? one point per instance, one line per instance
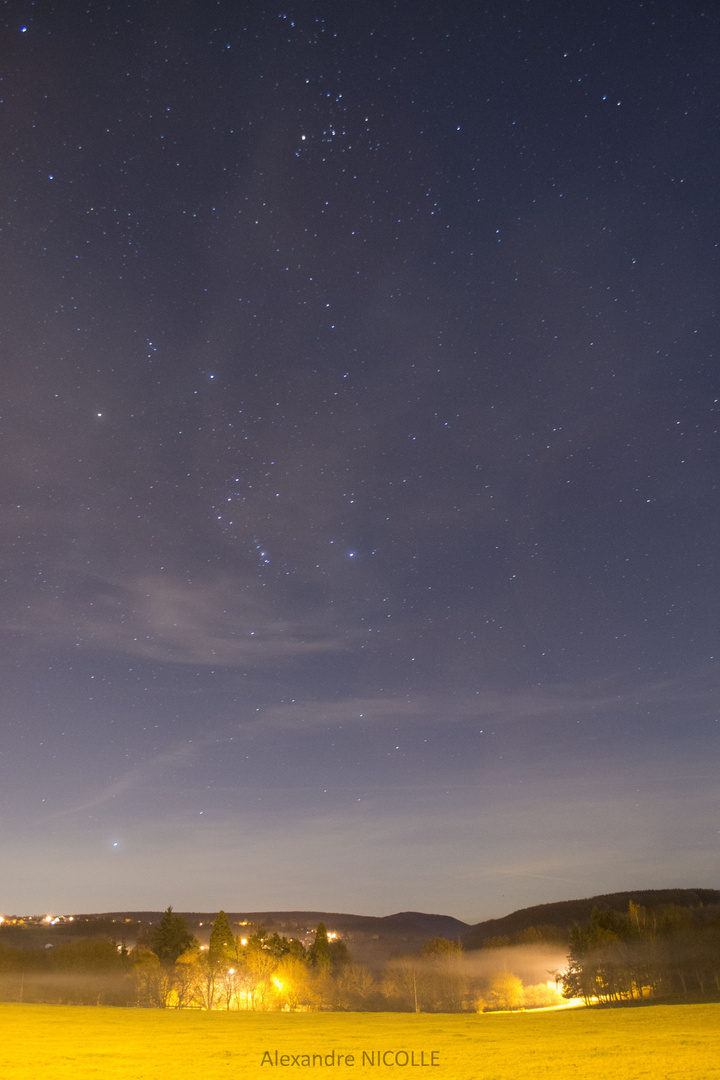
(339, 956)
(319, 952)
(282, 946)
(356, 988)
(405, 981)
(445, 977)
(540, 935)
(153, 981)
(222, 951)
(171, 937)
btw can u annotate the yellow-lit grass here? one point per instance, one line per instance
(57, 1042)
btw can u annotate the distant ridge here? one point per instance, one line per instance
(432, 925)
(370, 938)
(566, 912)
(407, 922)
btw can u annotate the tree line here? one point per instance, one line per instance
(658, 952)
(168, 967)
(255, 970)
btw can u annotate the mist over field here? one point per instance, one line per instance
(530, 963)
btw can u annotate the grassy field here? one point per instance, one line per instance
(57, 1042)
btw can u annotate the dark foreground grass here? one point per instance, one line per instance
(56, 1042)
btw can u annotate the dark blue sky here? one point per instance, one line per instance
(360, 454)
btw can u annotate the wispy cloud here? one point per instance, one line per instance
(220, 622)
(557, 701)
(146, 772)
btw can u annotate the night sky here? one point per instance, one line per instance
(360, 400)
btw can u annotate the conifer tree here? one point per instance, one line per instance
(319, 953)
(171, 937)
(222, 951)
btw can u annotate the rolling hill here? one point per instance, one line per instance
(566, 912)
